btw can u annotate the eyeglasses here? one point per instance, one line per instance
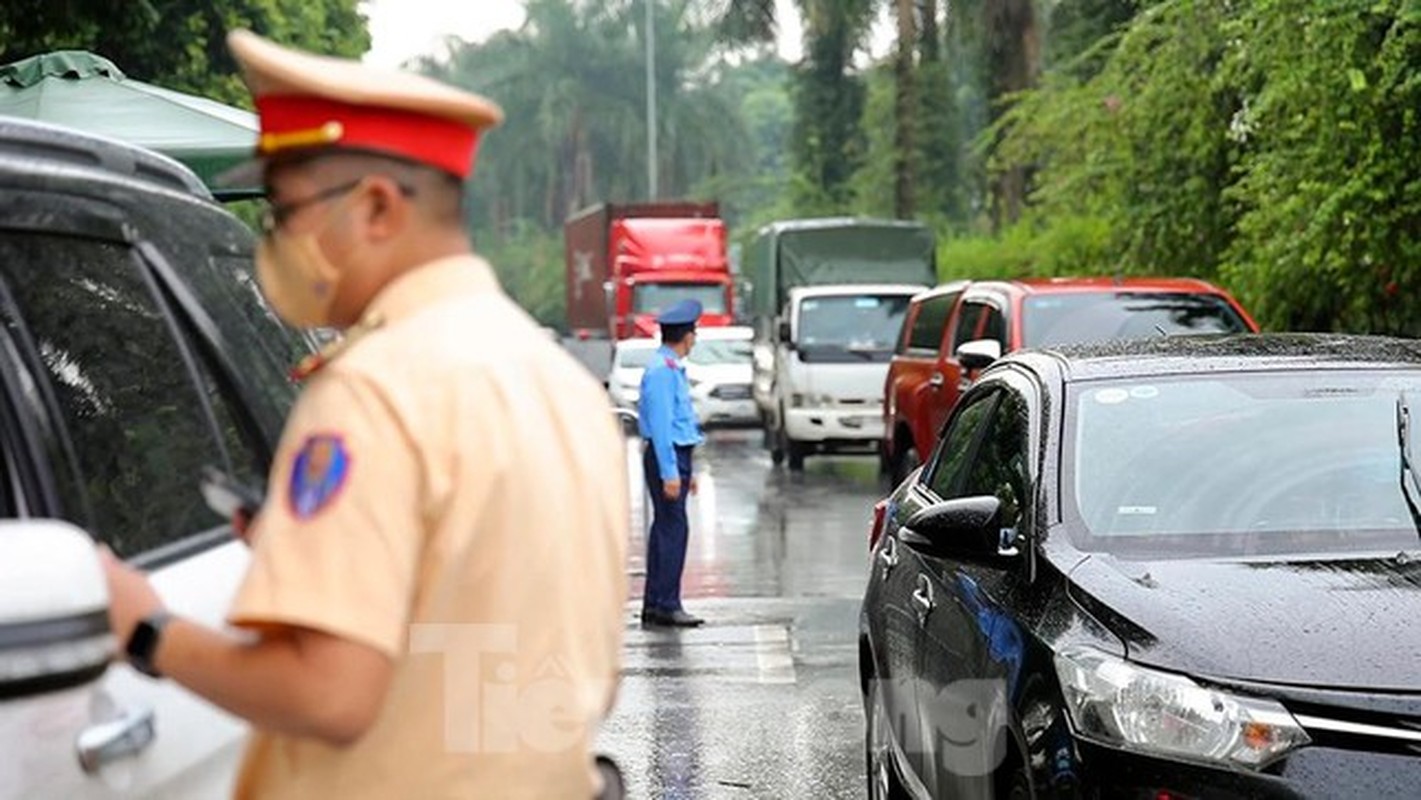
(276, 214)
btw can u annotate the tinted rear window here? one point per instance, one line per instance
(1061, 319)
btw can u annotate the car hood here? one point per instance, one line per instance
(628, 376)
(1352, 624)
(720, 373)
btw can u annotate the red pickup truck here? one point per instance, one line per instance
(927, 374)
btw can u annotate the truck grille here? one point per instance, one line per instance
(731, 391)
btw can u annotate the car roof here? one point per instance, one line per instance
(638, 344)
(942, 289)
(725, 333)
(850, 289)
(31, 147)
(1038, 286)
(1207, 354)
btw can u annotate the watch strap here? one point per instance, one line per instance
(143, 643)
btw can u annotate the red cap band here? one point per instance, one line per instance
(291, 122)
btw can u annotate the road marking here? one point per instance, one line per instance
(772, 655)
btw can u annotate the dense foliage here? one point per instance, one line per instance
(1267, 145)
(178, 44)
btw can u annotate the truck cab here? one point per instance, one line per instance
(628, 262)
(829, 298)
(660, 262)
(819, 381)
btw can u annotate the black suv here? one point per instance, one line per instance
(135, 350)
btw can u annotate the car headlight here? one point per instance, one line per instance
(1124, 705)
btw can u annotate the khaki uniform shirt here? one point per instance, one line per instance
(452, 491)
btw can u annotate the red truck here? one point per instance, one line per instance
(930, 370)
(627, 262)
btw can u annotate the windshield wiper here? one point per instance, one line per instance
(1410, 483)
(865, 351)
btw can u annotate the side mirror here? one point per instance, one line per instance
(630, 421)
(968, 528)
(786, 335)
(979, 353)
(54, 618)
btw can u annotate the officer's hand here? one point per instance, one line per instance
(672, 489)
(695, 485)
(131, 596)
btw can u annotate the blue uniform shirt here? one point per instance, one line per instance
(667, 417)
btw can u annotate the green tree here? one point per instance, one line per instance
(572, 84)
(179, 44)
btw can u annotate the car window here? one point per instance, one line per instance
(634, 357)
(967, 322)
(1061, 319)
(995, 327)
(1000, 465)
(713, 352)
(261, 347)
(954, 450)
(927, 331)
(137, 432)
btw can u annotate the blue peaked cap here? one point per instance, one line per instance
(685, 312)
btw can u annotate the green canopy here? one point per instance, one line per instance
(87, 92)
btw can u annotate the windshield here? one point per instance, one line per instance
(653, 298)
(635, 357)
(711, 352)
(1241, 464)
(1078, 318)
(861, 327)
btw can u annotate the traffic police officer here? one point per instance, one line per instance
(433, 606)
(668, 424)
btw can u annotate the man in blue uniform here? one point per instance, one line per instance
(669, 428)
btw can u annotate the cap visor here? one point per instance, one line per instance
(246, 175)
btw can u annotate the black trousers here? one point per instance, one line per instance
(666, 543)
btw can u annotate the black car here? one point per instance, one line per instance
(1173, 568)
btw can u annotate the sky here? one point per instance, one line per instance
(403, 29)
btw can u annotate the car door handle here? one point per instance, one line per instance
(888, 555)
(107, 742)
(937, 380)
(923, 598)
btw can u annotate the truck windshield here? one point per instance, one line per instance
(1078, 318)
(653, 298)
(850, 327)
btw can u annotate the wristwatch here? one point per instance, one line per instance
(143, 644)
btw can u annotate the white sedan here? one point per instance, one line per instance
(720, 370)
(629, 360)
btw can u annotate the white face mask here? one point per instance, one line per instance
(296, 277)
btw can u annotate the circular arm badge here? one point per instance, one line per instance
(318, 474)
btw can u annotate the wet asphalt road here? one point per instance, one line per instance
(763, 701)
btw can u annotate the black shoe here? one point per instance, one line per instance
(669, 619)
